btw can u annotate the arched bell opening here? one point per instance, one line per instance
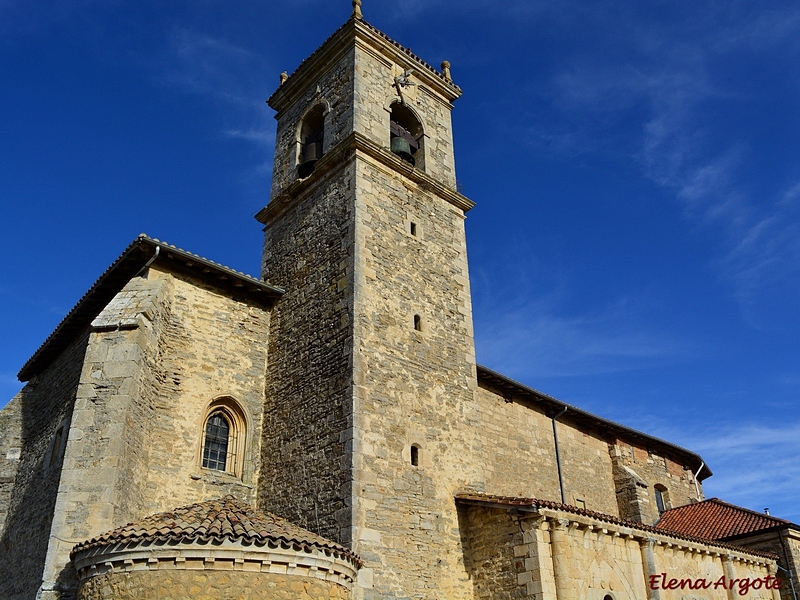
(311, 137)
(406, 135)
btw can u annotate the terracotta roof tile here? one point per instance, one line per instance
(715, 520)
(224, 518)
(535, 503)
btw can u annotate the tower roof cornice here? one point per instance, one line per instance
(354, 32)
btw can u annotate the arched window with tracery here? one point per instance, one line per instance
(224, 437)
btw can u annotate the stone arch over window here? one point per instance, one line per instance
(415, 455)
(224, 436)
(310, 139)
(406, 135)
(662, 497)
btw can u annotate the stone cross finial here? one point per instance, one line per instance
(357, 9)
(284, 77)
(446, 70)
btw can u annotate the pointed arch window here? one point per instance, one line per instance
(224, 437)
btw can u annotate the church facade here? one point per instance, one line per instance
(324, 431)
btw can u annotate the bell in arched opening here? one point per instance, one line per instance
(312, 134)
(405, 133)
(402, 147)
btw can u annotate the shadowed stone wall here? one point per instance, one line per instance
(43, 406)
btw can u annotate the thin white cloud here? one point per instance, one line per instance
(532, 337)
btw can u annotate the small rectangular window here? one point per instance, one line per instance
(413, 229)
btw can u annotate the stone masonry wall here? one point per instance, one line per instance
(45, 404)
(652, 468)
(137, 429)
(594, 560)
(518, 449)
(374, 93)
(308, 251)
(414, 387)
(10, 453)
(333, 89)
(208, 585)
(785, 544)
(207, 345)
(492, 537)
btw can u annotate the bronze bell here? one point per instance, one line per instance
(402, 148)
(311, 154)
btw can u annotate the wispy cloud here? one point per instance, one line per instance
(755, 465)
(225, 72)
(670, 87)
(531, 335)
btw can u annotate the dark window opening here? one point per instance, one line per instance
(413, 229)
(312, 135)
(415, 456)
(661, 498)
(215, 449)
(55, 451)
(417, 322)
(406, 135)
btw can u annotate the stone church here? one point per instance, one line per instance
(323, 431)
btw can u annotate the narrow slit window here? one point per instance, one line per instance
(413, 229)
(56, 449)
(215, 449)
(417, 322)
(415, 456)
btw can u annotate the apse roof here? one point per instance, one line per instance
(215, 520)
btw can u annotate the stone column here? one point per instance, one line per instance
(727, 567)
(559, 549)
(649, 566)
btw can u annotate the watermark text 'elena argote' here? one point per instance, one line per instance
(742, 586)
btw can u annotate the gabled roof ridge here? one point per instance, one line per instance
(109, 284)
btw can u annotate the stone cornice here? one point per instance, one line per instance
(275, 557)
(357, 32)
(340, 154)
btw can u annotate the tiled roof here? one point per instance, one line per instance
(215, 520)
(535, 504)
(715, 520)
(139, 254)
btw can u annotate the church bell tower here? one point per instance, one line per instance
(371, 364)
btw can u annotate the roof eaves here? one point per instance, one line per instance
(139, 254)
(534, 504)
(507, 384)
(353, 24)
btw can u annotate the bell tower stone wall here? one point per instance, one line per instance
(372, 366)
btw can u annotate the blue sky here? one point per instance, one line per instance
(635, 249)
